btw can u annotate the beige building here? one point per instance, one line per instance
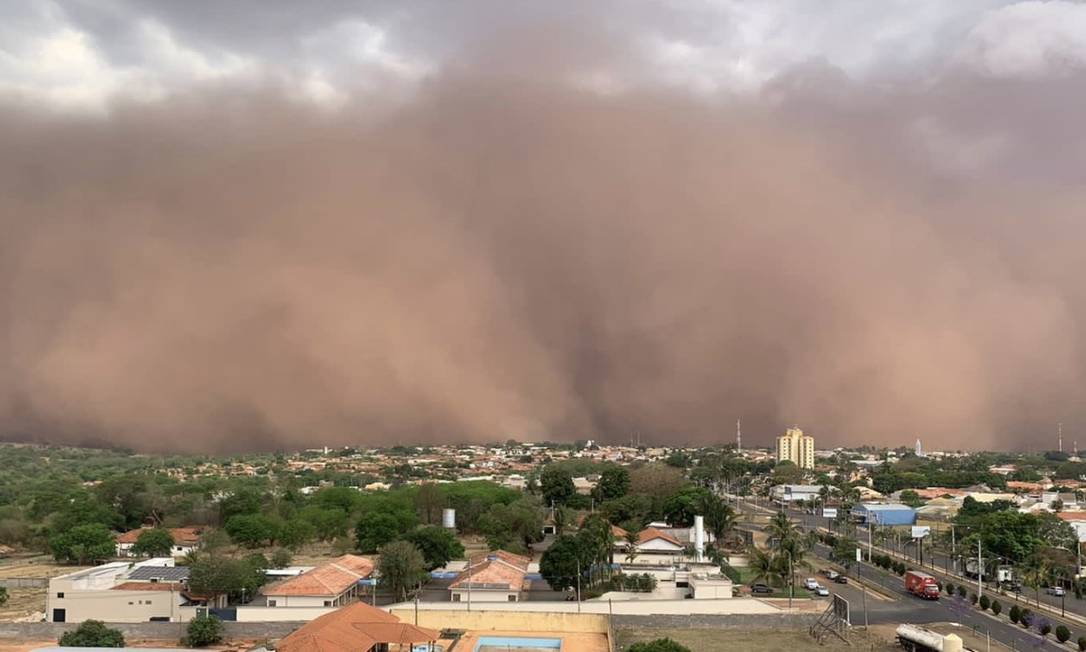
(121, 592)
(796, 447)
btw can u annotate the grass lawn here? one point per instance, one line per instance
(746, 576)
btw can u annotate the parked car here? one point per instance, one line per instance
(822, 591)
(832, 574)
(841, 579)
(760, 588)
(1055, 590)
(810, 583)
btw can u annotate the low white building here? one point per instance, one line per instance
(333, 584)
(121, 592)
(498, 576)
(706, 586)
(786, 494)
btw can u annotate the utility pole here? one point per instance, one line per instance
(870, 527)
(1059, 435)
(738, 436)
(578, 585)
(980, 571)
(864, 588)
(953, 549)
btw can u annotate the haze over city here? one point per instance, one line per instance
(276, 225)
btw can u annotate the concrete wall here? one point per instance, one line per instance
(281, 614)
(709, 621)
(24, 582)
(484, 595)
(148, 631)
(532, 621)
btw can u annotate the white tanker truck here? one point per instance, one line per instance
(918, 639)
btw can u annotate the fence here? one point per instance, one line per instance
(24, 582)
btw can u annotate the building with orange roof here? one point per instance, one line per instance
(356, 628)
(185, 540)
(497, 576)
(332, 584)
(654, 541)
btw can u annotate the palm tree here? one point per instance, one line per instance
(1035, 573)
(765, 567)
(780, 530)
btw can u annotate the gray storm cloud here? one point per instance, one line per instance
(507, 254)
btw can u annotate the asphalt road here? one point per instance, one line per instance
(906, 608)
(939, 562)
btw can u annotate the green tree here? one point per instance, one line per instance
(92, 633)
(911, 498)
(281, 558)
(252, 530)
(659, 645)
(997, 607)
(561, 563)
(787, 473)
(214, 575)
(614, 483)
(203, 631)
(681, 507)
(438, 545)
(83, 544)
(3, 595)
(1063, 634)
(556, 484)
(296, 532)
(375, 530)
(154, 542)
(402, 567)
(328, 522)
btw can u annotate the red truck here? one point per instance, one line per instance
(922, 584)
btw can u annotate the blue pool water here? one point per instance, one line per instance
(518, 643)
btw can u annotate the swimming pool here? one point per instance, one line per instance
(517, 643)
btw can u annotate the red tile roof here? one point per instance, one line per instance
(183, 536)
(650, 533)
(356, 628)
(497, 567)
(329, 579)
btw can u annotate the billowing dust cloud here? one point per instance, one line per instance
(529, 260)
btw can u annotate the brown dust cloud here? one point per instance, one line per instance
(500, 254)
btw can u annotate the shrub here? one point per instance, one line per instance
(1045, 628)
(92, 633)
(973, 598)
(997, 607)
(3, 595)
(962, 591)
(984, 603)
(1063, 634)
(1025, 618)
(949, 588)
(659, 645)
(1082, 643)
(1015, 614)
(203, 631)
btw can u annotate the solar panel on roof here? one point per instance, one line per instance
(166, 573)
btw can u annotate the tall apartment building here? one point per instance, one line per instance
(796, 447)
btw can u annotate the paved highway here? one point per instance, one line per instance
(906, 608)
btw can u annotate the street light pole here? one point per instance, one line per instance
(980, 571)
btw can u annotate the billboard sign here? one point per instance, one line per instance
(829, 512)
(921, 531)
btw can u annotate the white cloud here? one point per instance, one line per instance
(1028, 39)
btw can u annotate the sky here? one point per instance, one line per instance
(270, 224)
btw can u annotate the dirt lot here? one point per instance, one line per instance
(771, 640)
(28, 604)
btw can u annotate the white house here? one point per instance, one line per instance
(497, 576)
(333, 584)
(185, 540)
